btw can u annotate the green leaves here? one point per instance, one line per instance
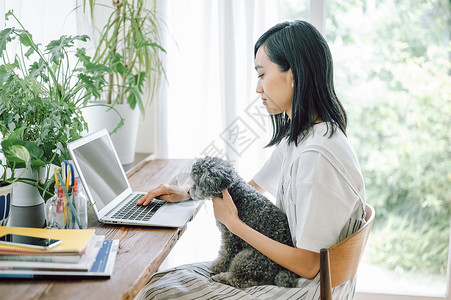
(25, 38)
(134, 91)
(91, 67)
(37, 69)
(116, 64)
(90, 85)
(143, 43)
(15, 153)
(58, 48)
(5, 38)
(129, 45)
(41, 95)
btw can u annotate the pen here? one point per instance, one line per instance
(60, 208)
(64, 171)
(68, 180)
(72, 174)
(56, 178)
(70, 204)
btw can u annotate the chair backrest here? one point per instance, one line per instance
(339, 263)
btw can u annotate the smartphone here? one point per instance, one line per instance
(28, 241)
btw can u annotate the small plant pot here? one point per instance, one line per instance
(6, 195)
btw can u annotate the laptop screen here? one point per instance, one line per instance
(101, 170)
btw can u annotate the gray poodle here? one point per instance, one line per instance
(238, 263)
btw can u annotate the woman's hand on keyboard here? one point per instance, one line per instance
(170, 193)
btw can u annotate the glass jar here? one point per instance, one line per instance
(80, 207)
(67, 210)
(70, 217)
(55, 210)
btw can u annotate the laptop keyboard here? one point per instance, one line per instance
(132, 211)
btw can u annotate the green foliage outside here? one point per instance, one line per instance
(392, 66)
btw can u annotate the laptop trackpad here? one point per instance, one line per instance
(182, 208)
(175, 214)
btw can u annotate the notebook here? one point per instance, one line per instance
(109, 191)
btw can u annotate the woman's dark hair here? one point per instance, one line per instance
(299, 46)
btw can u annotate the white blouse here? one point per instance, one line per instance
(318, 184)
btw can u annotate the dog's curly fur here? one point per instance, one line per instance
(238, 263)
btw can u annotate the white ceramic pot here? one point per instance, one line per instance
(27, 205)
(124, 139)
(5, 203)
(25, 194)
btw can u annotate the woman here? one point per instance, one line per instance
(313, 171)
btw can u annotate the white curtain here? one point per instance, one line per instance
(210, 105)
(46, 20)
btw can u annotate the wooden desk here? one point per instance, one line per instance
(141, 250)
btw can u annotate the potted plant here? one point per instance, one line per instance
(41, 95)
(129, 45)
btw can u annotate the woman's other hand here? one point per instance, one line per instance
(166, 192)
(225, 210)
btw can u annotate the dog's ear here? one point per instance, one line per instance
(210, 176)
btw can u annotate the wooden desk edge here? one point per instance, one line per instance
(152, 269)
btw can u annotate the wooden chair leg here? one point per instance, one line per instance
(325, 282)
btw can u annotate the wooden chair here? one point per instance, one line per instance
(339, 263)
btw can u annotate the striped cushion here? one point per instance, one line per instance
(193, 281)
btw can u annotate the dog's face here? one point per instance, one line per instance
(210, 176)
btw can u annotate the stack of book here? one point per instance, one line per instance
(81, 254)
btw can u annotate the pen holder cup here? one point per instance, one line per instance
(67, 210)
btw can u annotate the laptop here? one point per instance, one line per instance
(109, 191)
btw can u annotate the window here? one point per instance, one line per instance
(392, 72)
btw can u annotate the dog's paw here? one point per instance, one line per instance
(223, 277)
(286, 278)
(219, 266)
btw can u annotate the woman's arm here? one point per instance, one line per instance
(256, 186)
(302, 262)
